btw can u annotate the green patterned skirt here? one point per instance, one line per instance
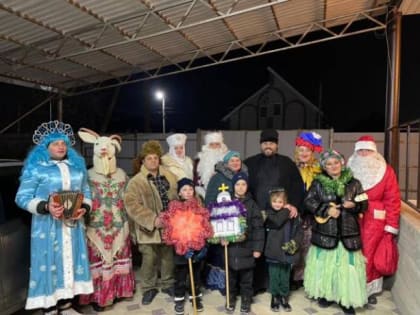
(337, 275)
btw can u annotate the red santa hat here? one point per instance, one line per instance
(365, 143)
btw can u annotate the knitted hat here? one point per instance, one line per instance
(230, 154)
(176, 139)
(184, 181)
(211, 137)
(311, 140)
(150, 147)
(270, 135)
(365, 143)
(330, 153)
(239, 176)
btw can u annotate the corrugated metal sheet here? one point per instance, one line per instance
(410, 7)
(68, 43)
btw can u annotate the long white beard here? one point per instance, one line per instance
(368, 169)
(208, 159)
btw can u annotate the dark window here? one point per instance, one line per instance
(263, 112)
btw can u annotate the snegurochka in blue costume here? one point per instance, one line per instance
(59, 260)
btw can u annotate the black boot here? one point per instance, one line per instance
(245, 304)
(323, 303)
(275, 303)
(284, 301)
(372, 299)
(348, 310)
(198, 303)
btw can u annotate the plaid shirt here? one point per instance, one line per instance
(162, 185)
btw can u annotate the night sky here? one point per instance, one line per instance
(346, 78)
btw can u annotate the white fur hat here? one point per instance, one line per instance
(176, 139)
(213, 137)
(366, 143)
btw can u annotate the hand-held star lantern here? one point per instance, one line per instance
(186, 225)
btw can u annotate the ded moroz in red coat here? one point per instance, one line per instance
(380, 183)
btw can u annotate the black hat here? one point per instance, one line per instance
(184, 181)
(239, 176)
(270, 135)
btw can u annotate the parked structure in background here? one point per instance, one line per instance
(276, 105)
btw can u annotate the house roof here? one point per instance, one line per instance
(285, 87)
(77, 46)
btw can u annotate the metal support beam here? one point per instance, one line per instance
(231, 49)
(46, 101)
(60, 108)
(393, 93)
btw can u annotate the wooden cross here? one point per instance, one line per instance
(223, 188)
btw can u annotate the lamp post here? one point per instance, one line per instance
(161, 96)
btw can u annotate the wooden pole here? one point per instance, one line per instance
(227, 276)
(194, 302)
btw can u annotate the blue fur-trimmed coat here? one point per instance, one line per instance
(59, 259)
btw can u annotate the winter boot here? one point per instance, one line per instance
(275, 303)
(245, 304)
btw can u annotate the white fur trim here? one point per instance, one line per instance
(375, 286)
(60, 294)
(33, 204)
(176, 139)
(365, 145)
(391, 229)
(213, 137)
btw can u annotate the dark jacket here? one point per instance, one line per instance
(346, 227)
(224, 176)
(241, 253)
(266, 173)
(281, 229)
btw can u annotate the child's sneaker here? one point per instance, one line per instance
(245, 304)
(231, 307)
(179, 307)
(198, 304)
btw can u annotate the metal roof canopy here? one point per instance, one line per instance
(79, 46)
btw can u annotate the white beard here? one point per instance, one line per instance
(208, 159)
(368, 169)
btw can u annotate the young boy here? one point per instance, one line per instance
(242, 254)
(283, 238)
(187, 197)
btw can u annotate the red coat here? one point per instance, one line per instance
(382, 216)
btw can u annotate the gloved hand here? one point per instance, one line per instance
(201, 254)
(189, 254)
(290, 247)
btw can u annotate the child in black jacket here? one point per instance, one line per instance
(284, 236)
(242, 254)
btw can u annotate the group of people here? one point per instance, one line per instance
(313, 222)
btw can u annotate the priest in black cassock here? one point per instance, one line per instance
(268, 170)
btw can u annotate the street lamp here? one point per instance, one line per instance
(161, 96)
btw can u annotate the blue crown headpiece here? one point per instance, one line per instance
(53, 130)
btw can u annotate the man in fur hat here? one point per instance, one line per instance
(213, 151)
(148, 193)
(380, 183)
